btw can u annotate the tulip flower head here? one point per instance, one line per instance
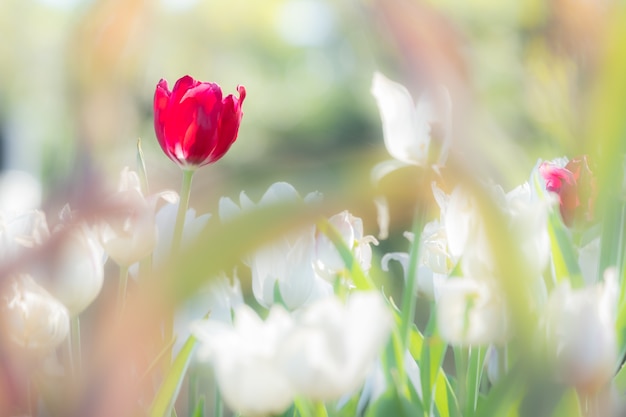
(32, 318)
(575, 184)
(194, 125)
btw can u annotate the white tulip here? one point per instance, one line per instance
(435, 260)
(131, 235)
(286, 263)
(322, 353)
(328, 262)
(31, 318)
(19, 192)
(77, 272)
(406, 126)
(166, 222)
(219, 298)
(471, 312)
(580, 329)
(246, 360)
(20, 231)
(333, 346)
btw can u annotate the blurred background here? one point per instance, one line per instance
(78, 78)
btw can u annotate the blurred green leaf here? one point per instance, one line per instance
(505, 395)
(431, 358)
(393, 404)
(569, 405)
(199, 409)
(166, 396)
(221, 246)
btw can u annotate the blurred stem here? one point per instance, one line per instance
(461, 362)
(219, 405)
(76, 346)
(121, 289)
(319, 409)
(408, 296)
(193, 388)
(185, 192)
(502, 361)
(183, 204)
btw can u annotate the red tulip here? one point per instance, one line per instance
(575, 185)
(193, 124)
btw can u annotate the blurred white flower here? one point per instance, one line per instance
(471, 312)
(467, 236)
(529, 224)
(19, 192)
(435, 263)
(333, 346)
(435, 259)
(219, 298)
(20, 231)
(77, 272)
(407, 128)
(321, 353)
(166, 222)
(32, 318)
(580, 330)
(328, 262)
(246, 360)
(130, 235)
(286, 263)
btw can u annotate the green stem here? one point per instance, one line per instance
(408, 296)
(193, 388)
(121, 289)
(219, 405)
(319, 409)
(185, 192)
(76, 346)
(461, 362)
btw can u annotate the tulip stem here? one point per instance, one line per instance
(185, 192)
(76, 346)
(121, 289)
(219, 406)
(408, 295)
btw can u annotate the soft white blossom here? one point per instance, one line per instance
(131, 234)
(19, 192)
(77, 271)
(323, 352)
(407, 127)
(435, 259)
(472, 312)
(334, 345)
(580, 329)
(20, 231)
(166, 221)
(246, 358)
(287, 263)
(526, 218)
(219, 298)
(328, 262)
(31, 318)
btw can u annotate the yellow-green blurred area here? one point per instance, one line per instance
(78, 78)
